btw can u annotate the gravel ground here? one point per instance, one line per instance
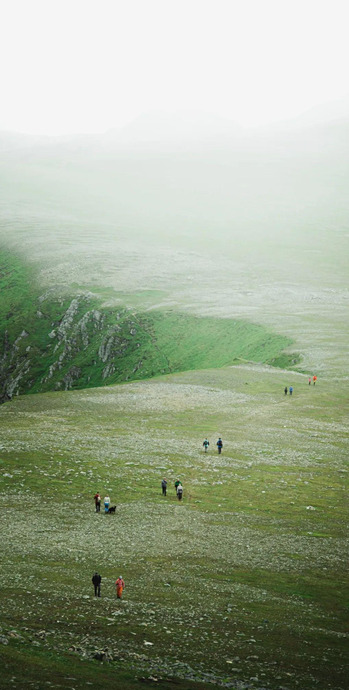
(241, 584)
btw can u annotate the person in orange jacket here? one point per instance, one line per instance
(120, 586)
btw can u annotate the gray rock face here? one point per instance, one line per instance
(14, 366)
(15, 346)
(46, 355)
(108, 370)
(72, 375)
(109, 343)
(71, 337)
(68, 319)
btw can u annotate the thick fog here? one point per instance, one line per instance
(87, 67)
(169, 181)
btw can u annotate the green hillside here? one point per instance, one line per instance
(56, 340)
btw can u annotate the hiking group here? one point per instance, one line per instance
(107, 507)
(119, 585)
(219, 445)
(178, 488)
(290, 389)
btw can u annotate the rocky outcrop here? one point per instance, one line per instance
(14, 365)
(65, 342)
(109, 344)
(51, 341)
(73, 335)
(72, 375)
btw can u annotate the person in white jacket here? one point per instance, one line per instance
(179, 492)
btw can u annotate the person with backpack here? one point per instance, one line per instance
(206, 444)
(96, 580)
(291, 390)
(285, 390)
(219, 445)
(179, 492)
(120, 586)
(164, 486)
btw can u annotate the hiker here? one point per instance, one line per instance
(106, 504)
(164, 486)
(206, 444)
(309, 380)
(314, 380)
(285, 390)
(177, 483)
(120, 586)
(291, 390)
(179, 492)
(96, 579)
(219, 445)
(97, 499)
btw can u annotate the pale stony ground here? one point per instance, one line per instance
(215, 586)
(243, 583)
(226, 601)
(296, 285)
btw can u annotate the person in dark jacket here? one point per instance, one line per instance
(164, 486)
(96, 580)
(219, 445)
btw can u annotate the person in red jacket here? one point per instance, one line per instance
(97, 499)
(120, 586)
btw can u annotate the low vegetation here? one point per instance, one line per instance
(242, 584)
(161, 271)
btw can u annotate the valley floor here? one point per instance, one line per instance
(241, 584)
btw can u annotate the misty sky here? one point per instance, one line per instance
(87, 66)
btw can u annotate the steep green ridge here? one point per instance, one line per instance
(55, 341)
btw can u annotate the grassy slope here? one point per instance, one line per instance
(144, 345)
(246, 580)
